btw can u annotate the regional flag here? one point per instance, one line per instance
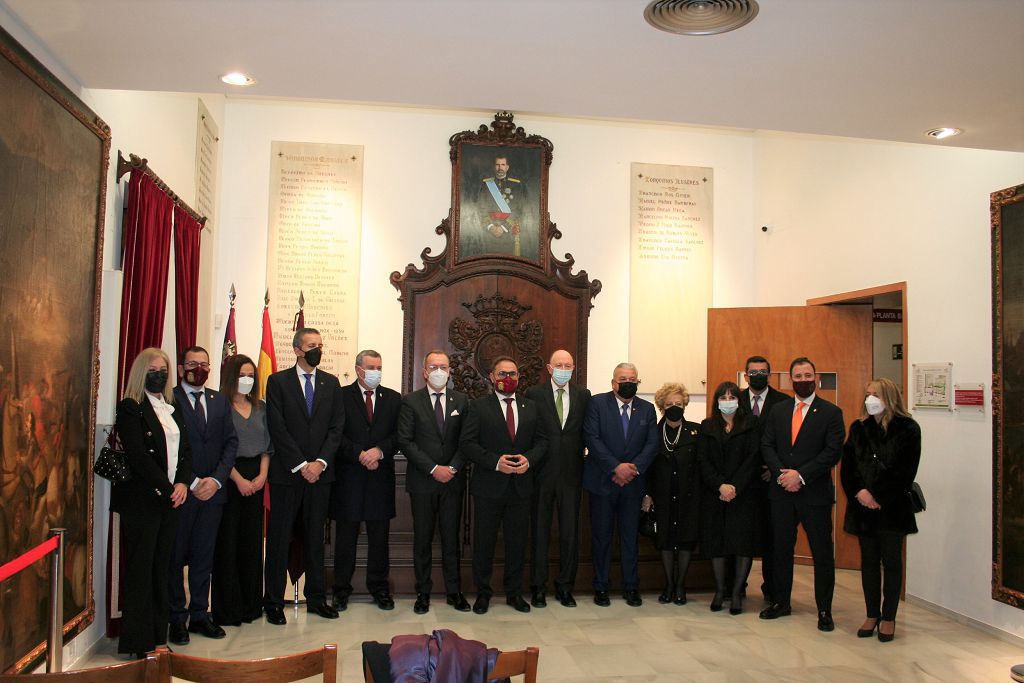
(267, 364)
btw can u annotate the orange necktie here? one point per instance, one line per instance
(798, 419)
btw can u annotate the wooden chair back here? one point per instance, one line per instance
(518, 663)
(271, 670)
(141, 671)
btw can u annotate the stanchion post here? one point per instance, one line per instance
(55, 642)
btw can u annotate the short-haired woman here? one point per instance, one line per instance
(152, 435)
(879, 464)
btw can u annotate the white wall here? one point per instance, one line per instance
(851, 214)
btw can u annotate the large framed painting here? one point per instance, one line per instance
(53, 168)
(499, 193)
(1007, 211)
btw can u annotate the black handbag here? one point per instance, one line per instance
(112, 462)
(916, 496)
(648, 525)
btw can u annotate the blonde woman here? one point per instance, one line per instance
(152, 434)
(879, 464)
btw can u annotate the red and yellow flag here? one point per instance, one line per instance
(267, 363)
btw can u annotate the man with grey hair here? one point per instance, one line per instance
(620, 430)
(364, 491)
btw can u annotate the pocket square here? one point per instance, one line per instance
(454, 413)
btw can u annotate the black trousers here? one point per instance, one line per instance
(145, 603)
(346, 536)
(562, 503)
(237, 590)
(817, 522)
(194, 546)
(440, 510)
(881, 558)
(307, 502)
(511, 514)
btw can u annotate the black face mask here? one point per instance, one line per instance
(626, 390)
(156, 380)
(313, 357)
(758, 382)
(674, 413)
(804, 388)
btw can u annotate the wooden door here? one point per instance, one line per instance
(836, 338)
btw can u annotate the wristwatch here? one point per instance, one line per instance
(452, 470)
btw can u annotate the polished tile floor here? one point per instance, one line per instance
(663, 643)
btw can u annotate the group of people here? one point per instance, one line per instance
(735, 486)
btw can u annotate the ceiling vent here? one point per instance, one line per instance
(700, 17)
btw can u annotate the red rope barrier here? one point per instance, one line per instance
(17, 564)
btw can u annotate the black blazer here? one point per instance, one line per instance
(299, 437)
(148, 492)
(771, 397)
(602, 429)
(485, 439)
(563, 462)
(424, 446)
(213, 448)
(817, 449)
(358, 493)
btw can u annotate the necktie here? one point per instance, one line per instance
(309, 392)
(510, 418)
(757, 405)
(798, 418)
(438, 412)
(369, 405)
(560, 407)
(625, 419)
(200, 413)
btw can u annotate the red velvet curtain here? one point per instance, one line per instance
(147, 244)
(187, 233)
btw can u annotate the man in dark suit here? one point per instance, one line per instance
(504, 438)
(306, 417)
(558, 486)
(211, 436)
(621, 433)
(761, 398)
(802, 442)
(429, 427)
(364, 487)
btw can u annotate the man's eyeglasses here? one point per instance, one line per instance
(192, 365)
(507, 373)
(758, 373)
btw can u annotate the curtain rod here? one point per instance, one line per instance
(133, 162)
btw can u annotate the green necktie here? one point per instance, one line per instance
(560, 407)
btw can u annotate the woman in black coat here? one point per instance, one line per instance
(730, 461)
(153, 437)
(879, 464)
(673, 488)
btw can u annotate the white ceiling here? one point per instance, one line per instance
(885, 69)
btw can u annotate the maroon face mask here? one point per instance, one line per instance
(506, 385)
(197, 376)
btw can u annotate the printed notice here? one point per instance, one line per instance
(671, 229)
(933, 386)
(315, 223)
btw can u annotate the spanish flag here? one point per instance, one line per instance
(267, 363)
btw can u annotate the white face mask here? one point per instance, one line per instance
(245, 384)
(372, 378)
(874, 405)
(728, 406)
(438, 380)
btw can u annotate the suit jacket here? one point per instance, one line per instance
(148, 492)
(771, 397)
(299, 437)
(485, 439)
(602, 432)
(215, 446)
(817, 449)
(358, 493)
(424, 446)
(563, 462)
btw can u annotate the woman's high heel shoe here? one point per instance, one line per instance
(666, 596)
(867, 632)
(886, 637)
(716, 602)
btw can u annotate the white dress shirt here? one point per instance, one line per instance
(565, 399)
(302, 387)
(172, 435)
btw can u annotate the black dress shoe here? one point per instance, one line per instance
(633, 598)
(384, 600)
(322, 609)
(177, 634)
(666, 596)
(422, 605)
(517, 603)
(458, 601)
(539, 599)
(680, 598)
(482, 604)
(207, 628)
(275, 616)
(339, 602)
(774, 611)
(825, 622)
(601, 599)
(565, 597)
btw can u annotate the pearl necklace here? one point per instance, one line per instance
(670, 445)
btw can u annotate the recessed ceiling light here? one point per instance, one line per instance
(942, 133)
(237, 78)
